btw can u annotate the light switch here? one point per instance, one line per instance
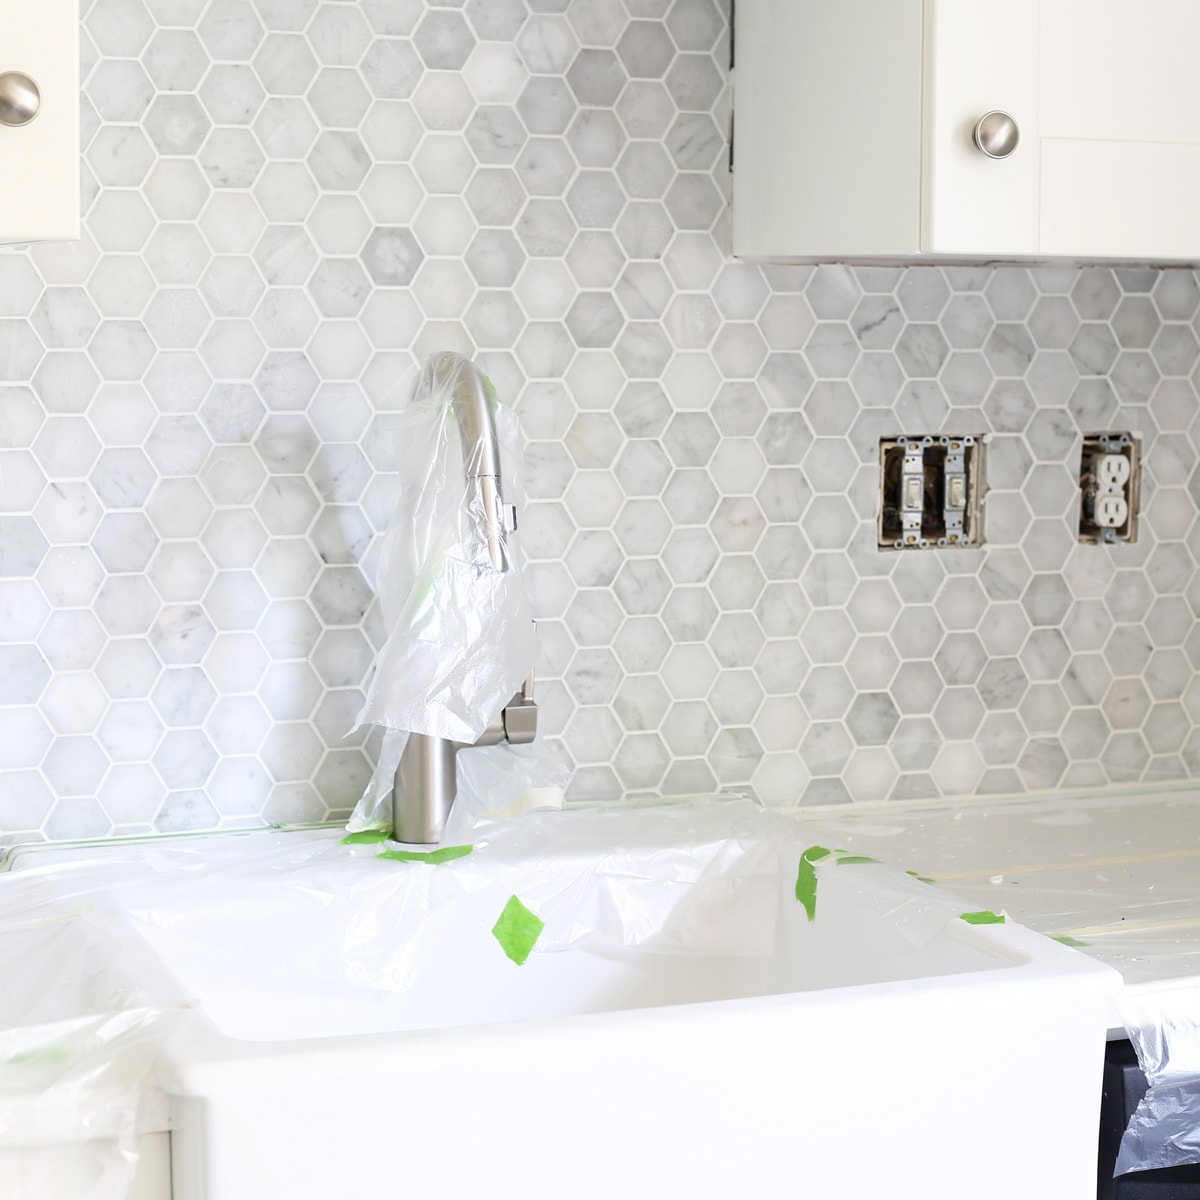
(930, 492)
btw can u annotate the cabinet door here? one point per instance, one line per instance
(39, 161)
(827, 116)
(1120, 128)
(979, 57)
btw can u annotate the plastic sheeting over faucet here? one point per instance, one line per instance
(460, 635)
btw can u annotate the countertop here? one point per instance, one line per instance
(1117, 874)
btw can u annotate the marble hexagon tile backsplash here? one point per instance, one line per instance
(289, 202)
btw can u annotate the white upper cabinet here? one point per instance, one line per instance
(39, 120)
(855, 129)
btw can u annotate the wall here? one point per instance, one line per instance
(289, 202)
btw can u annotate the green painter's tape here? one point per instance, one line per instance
(435, 857)
(41, 1056)
(517, 930)
(1068, 941)
(806, 878)
(920, 878)
(986, 917)
(366, 837)
(850, 860)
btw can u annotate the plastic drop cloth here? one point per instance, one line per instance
(108, 950)
(698, 875)
(692, 876)
(460, 636)
(81, 1036)
(1164, 1027)
(1116, 873)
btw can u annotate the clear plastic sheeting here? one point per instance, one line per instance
(1113, 874)
(255, 939)
(706, 946)
(81, 1036)
(460, 637)
(494, 783)
(1164, 1027)
(629, 906)
(702, 879)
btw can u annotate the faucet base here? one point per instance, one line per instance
(424, 789)
(426, 781)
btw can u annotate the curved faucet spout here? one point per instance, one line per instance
(426, 780)
(474, 413)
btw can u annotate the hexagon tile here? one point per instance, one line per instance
(288, 204)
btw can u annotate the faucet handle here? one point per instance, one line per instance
(520, 716)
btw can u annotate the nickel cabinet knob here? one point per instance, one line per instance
(20, 99)
(996, 134)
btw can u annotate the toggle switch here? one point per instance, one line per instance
(931, 491)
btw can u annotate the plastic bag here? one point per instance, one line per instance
(494, 782)
(1164, 1028)
(460, 635)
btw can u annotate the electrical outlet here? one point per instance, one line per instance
(1111, 511)
(1112, 472)
(1109, 485)
(930, 492)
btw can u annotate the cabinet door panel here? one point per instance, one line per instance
(1120, 70)
(1120, 122)
(39, 162)
(827, 116)
(976, 60)
(1120, 199)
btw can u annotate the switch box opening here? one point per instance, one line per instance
(1109, 488)
(931, 491)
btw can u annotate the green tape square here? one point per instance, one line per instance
(518, 930)
(985, 917)
(366, 837)
(442, 854)
(806, 878)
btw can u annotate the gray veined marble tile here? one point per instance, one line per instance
(289, 206)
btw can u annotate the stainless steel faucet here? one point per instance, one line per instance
(426, 780)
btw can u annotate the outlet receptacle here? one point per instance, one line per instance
(1111, 510)
(1109, 486)
(1112, 472)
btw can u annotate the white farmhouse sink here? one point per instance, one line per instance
(293, 936)
(680, 1027)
